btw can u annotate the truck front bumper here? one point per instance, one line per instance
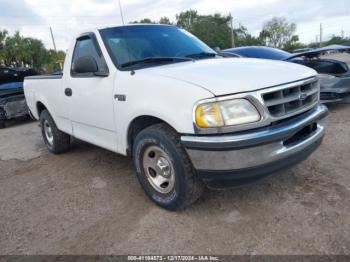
(242, 158)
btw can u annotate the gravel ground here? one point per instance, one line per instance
(88, 201)
(345, 57)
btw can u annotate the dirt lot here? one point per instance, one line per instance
(88, 201)
(341, 57)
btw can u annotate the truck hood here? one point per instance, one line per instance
(224, 76)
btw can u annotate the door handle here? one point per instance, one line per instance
(68, 92)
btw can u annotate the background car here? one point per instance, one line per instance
(12, 100)
(334, 75)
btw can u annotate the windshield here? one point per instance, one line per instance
(128, 44)
(261, 52)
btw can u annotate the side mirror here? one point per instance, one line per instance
(85, 64)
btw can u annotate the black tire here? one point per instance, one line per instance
(60, 141)
(187, 187)
(2, 118)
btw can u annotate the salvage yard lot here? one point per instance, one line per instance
(88, 201)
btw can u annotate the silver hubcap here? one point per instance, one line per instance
(159, 169)
(48, 132)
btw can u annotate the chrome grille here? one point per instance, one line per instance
(289, 100)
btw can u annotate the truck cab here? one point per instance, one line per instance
(187, 117)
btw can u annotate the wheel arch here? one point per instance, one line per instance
(40, 107)
(138, 124)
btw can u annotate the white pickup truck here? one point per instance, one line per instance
(186, 116)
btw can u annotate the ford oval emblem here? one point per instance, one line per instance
(302, 96)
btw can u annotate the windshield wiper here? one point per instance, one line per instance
(155, 60)
(201, 55)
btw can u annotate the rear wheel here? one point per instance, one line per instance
(2, 124)
(163, 168)
(56, 141)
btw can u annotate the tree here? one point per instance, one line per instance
(55, 60)
(143, 21)
(19, 51)
(335, 40)
(278, 32)
(214, 29)
(338, 40)
(3, 36)
(37, 55)
(244, 38)
(294, 44)
(15, 53)
(187, 19)
(165, 20)
(146, 21)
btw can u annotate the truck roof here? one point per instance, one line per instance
(127, 25)
(115, 26)
(136, 24)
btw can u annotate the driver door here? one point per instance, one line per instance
(90, 98)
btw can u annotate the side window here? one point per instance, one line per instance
(85, 47)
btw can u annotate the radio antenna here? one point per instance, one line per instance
(121, 11)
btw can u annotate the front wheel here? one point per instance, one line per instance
(163, 168)
(56, 141)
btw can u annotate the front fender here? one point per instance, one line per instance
(168, 99)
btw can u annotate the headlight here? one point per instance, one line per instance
(226, 113)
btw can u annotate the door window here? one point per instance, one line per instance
(86, 47)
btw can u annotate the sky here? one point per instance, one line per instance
(70, 17)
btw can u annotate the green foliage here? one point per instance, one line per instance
(146, 21)
(187, 19)
(3, 35)
(335, 40)
(278, 33)
(338, 40)
(143, 21)
(294, 46)
(163, 20)
(243, 38)
(55, 59)
(313, 45)
(214, 30)
(20, 51)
